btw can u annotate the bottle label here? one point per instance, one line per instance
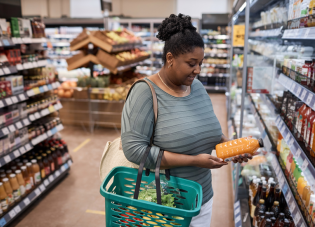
(28, 184)
(22, 189)
(10, 198)
(59, 161)
(52, 167)
(32, 181)
(43, 175)
(4, 204)
(16, 194)
(47, 171)
(37, 177)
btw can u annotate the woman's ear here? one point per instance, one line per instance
(169, 59)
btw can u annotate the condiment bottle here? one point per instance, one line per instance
(55, 157)
(13, 168)
(36, 172)
(2, 176)
(263, 194)
(237, 147)
(273, 220)
(16, 188)
(30, 172)
(41, 167)
(3, 198)
(46, 165)
(280, 220)
(27, 179)
(268, 223)
(19, 165)
(8, 173)
(59, 155)
(9, 191)
(263, 222)
(21, 182)
(307, 73)
(51, 161)
(275, 208)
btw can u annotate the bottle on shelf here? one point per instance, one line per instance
(21, 182)
(280, 220)
(36, 172)
(15, 187)
(286, 223)
(8, 173)
(3, 198)
(259, 218)
(271, 197)
(256, 200)
(51, 161)
(27, 179)
(275, 208)
(31, 174)
(46, 164)
(41, 167)
(273, 221)
(268, 223)
(263, 221)
(59, 155)
(263, 194)
(9, 191)
(282, 203)
(55, 157)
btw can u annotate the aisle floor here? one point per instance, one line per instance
(76, 200)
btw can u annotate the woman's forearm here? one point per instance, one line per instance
(173, 160)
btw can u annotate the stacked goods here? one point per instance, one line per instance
(66, 89)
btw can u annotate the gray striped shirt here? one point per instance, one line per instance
(185, 125)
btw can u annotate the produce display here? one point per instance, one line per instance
(120, 37)
(150, 196)
(130, 55)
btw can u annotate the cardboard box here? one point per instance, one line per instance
(81, 93)
(15, 29)
(17, 84)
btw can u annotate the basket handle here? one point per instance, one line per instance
(157, 174)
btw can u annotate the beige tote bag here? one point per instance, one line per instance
(113, 154)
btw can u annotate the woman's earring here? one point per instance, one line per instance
(170, 65)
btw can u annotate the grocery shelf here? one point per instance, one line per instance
(266, 33)
(216, 36)
(288, 195)
(215, 74)
(298, 153)
(300, 33)
(220, 55)
(27, 120)
(241, 213)
(217, 65)
(220, 45)
(26, 202)
(298, 90)
(215, 88)
(42, 89)
(268, 103)
(13, 41)
(29, 65)
(22, 149)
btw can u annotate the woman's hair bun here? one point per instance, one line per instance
(174, 24)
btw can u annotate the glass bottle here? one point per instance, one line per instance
(275, 209)
(256, 199)
(51, 161)
(273, 220)
(15, 187)
(27, 179)
(30, 172)
(8, 173)
(271, 197)
(55, 157)
(280, 220)
(263, 222)
(36, 172)
(277, 195)
(286, 223)
(46, 164)
(261, 217)
(268, 223)
(21, 182)
(263, 194)
(59, 155)
(41, 167)
(282, 203)
(9, 191)
(3, 198)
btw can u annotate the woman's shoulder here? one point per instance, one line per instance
(198, 86)
(141, 91)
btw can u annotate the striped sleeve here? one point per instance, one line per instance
(137, 126)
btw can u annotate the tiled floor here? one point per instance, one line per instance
(68, 202)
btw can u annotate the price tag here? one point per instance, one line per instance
(57, 173)
(16, 153)
(303, 94)
(22, 150)
(237, 219)
(309, 99)
(26, 201)
(56, 107)
(51, 178)
(12, 213)
(5, 131)
(291, 141)
(14, 99)
(50, 87)
(70, 163)
(63, 168)
(17, 209)
(59, 127)
(6, 70)
(41, 89)
(297, 218)
(298, 91)
(49, 133)
(32, 118)
(45, 88)
(1, 104)
(51, 109)
(18, 125)
(37, 192)
(28, 147)
(57, 84)
(46, 182)
(292, 206)
(7, 158)
(53, 85)
(304, 165)
(22, 97)
(37, 115)
(8, 101)
(307, 31)
(298, 153)
(42, 187)
(30, 92)
(12, 128)
(287, 138)
(1, 72)
(26, 121)
(19, 67)
(45, 112)
(25, 66)
(282, 129)
(288, 197)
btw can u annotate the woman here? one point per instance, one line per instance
(187, 128)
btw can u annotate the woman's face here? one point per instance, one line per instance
(186, 66)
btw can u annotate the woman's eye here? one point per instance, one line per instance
(192, 65)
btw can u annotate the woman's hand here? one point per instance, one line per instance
(209, 161)
(242, 158)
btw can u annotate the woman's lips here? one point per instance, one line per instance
(191, 77)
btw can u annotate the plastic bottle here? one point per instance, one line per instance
(9, 191)
(30, 172)
(306, 197)
(21, 182)
(236, 147)
(15, 187)
(299, 120)
(36, 172)
(311, 204)
(275, 209)
(27, 179)
(309, 126)
(3, 198)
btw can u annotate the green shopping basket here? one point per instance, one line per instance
(122, 207)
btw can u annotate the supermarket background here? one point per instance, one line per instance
(66, 67)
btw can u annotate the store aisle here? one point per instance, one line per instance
(76, 201)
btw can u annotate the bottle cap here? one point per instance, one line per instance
(23, 167)
(261, 142)
(0, 183)
(12, 175)
(273, 219)
(34, 161)
(271, 214)
(254, 177)
(261, 201)
(3, 175)
(273, 184)
(18, 171)
(268, 221)
(281, 214)
(276, 203)
(5, 179)
(263, 178)
(278, 190)
(8, 171)
(261, 213)
(29, 164)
